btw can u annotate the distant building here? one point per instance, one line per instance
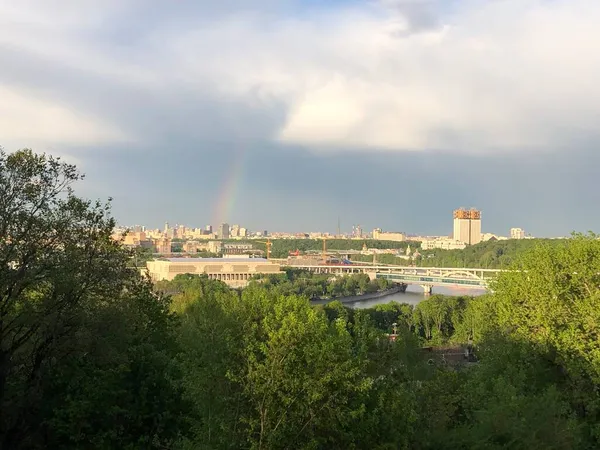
(133, 239)
(235, 272)
(517, 233)
(162, 245)
(195, 246)
(236, 249)
(443, 244)
(492, 237)
(169, 232)
(223, 231)
(467, 226)
(209, 229)
(215, 247)
(396, 236)
(180, 232)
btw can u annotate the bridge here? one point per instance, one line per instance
(426, 277)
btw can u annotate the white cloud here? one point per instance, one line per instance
(27, 120)
(487, 75)
(509, 75)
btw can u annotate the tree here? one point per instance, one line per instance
(551, 299)
(212, 340)
(476, 321)
(62, 277)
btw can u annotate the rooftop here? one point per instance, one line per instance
(220, 260)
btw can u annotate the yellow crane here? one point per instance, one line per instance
(268, 243)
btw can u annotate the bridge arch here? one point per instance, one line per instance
(461, 274)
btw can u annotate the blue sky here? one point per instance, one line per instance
(387, 113)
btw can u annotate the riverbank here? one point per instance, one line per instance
(414, 295)
(399, 288)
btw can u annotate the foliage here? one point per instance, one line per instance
(487, 255)
(553, 301)
(315, 286)
(491, 254)
(281, 248)
(274, 370)
(140, 256)
(85, 347)
(93, 356)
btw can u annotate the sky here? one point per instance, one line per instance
(287, 114)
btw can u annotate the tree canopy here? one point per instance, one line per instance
(492, 254)
(92, 355)
(85, 346)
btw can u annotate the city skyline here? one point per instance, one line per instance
(239, 230)
(287, 115)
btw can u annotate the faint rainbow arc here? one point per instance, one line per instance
(224, 206)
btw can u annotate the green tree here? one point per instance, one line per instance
(551, 298)
(211, 337)
(77, 325)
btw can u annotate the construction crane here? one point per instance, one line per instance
(268, 243)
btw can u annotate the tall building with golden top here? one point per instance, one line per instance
(467, 226)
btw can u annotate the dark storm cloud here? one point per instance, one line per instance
(297, 190)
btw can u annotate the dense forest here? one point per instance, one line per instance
(93, 356)
(491, 254)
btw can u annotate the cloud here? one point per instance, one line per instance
(499, 76)
(387, 112)
(394, 75)
(27, 120)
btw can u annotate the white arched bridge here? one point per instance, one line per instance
(427, 277)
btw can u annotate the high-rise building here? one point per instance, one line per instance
(180, 232)
(467, 226)
(517, 233)
(209, 228)
(223, 231)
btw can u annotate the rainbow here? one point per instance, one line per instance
(223, 208)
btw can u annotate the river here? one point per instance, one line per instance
(413, 295)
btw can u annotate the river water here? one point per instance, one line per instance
(413, 295)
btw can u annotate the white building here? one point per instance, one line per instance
(489, 236)
(396, 236)
(235, 272)
(215, 246)
(517, 233)
(443, 244)
(467, 226)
